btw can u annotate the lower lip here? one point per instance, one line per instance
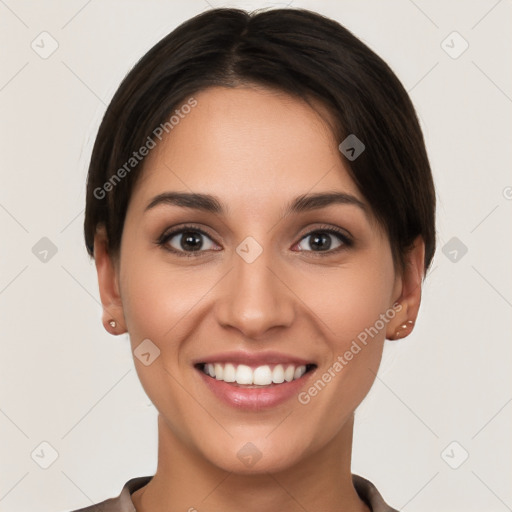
(255, 399)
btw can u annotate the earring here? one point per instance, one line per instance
(403, 327)
(112, 323)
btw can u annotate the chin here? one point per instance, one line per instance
(253, 457)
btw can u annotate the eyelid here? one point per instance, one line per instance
(186, 227)
(330, 228)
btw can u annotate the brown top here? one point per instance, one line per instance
(123, 503)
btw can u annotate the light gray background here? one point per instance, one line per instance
(67, 382)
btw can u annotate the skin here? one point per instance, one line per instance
(255, 149)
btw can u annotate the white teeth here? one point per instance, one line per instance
(219, 371)
(260, 376)
(243, 374)
(229, 373)
(299, 372)
(278, 374)
(289, 372)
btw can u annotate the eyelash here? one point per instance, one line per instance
(165, 237)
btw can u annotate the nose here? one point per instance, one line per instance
(255, 297)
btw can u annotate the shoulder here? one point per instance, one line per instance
(370, 495)
(121, 503)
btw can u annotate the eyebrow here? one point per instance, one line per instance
(209, 203)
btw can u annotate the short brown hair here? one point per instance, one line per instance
(296, 51)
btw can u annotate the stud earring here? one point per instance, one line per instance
(402, 327)
(112, 323)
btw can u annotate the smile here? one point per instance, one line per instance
(264, 375)
(256, 388)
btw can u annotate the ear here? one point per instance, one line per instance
(108, 282)
(408, 292)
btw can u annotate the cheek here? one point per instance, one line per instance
(350, 300)
(155, 298)
(155, 307)
(358, 318)
(352, 305)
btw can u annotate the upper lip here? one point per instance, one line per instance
(253, 358)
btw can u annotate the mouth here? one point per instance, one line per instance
(254, 388)
(255, 377)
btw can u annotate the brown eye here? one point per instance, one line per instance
(321, 241)
(186, 241)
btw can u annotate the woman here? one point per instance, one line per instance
(261, 212)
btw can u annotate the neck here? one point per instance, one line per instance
(185, 481)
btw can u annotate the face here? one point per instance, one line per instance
(257, 277)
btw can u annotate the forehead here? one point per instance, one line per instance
(253, 147)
